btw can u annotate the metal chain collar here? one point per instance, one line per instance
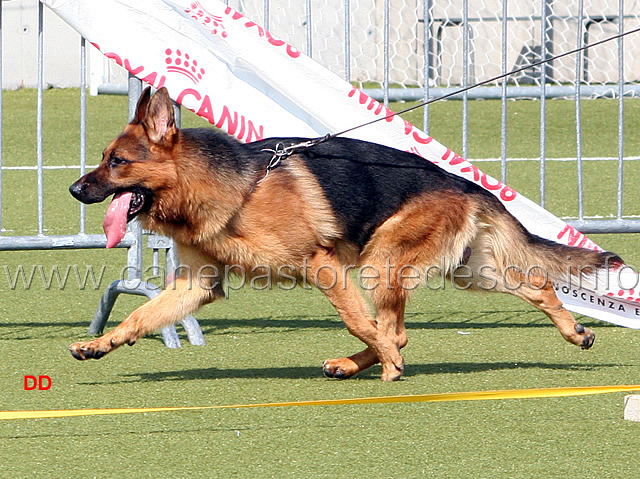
(280, 152)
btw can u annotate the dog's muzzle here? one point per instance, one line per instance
(89, 191)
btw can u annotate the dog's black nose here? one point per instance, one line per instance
(76, 190)
(89, 190)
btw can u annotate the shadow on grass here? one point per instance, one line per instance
(307, 372)
(454, 320)
(458, 320)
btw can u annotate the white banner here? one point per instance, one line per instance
(238, 76)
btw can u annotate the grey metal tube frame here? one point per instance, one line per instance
(133, 284)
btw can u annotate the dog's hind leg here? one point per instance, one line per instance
(539, 293)
(328, 275)
(485, 274)
(430, 230)
(493, 268)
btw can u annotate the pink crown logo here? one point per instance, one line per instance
(181, 62)
(211, 22)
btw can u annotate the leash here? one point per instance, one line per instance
(281, 152)
(491, 80)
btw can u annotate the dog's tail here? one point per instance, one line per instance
(578, 267)
(517, 256)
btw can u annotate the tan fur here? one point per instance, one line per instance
(224, 219)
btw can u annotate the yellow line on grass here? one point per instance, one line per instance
(444, 397)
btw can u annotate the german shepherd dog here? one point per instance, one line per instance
(324, 213)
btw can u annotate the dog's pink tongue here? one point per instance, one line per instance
(115, 221)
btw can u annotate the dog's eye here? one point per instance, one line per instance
(117, 161)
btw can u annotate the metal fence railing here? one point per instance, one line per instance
(418, 50)
(377, 43)
(80, 239)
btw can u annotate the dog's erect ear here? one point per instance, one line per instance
(160, 121)
(141, 108)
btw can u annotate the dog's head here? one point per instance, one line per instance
(130, 165)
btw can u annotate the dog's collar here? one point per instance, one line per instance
(280, 152)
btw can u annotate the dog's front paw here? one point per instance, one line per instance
(99, 347)
(342, 368)
(88, 350)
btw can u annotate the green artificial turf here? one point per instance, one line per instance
(268, 346)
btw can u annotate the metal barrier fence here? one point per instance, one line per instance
(547, 19)
(133, 240)
(337, 33)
